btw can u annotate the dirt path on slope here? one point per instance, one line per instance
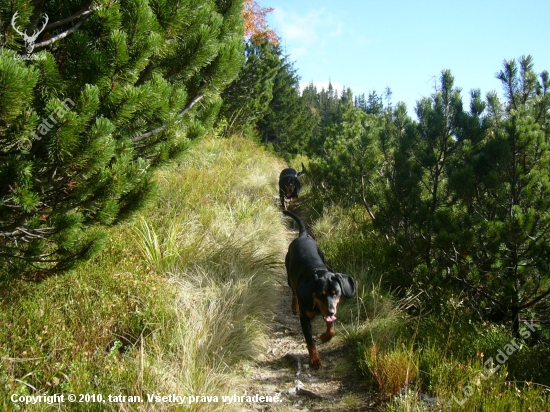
(284, 368)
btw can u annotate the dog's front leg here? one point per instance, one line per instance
(314, 360)
(325, 337)
(291, 203)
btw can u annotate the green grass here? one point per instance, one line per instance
(415, 360)
(174, 304)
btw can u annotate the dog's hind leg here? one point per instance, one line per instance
(295, 302)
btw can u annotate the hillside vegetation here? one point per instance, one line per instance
(180, 301)
(142, 246)
(173, 304)
(414, 357)
(111, 91)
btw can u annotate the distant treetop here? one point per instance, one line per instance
(255, 26)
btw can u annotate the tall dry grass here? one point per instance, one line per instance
(177, 303)
(216, 235)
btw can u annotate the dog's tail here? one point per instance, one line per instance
(301, 224)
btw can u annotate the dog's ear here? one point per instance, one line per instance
(347, 284)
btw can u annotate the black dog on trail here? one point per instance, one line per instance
(289, 185)
(315, 290)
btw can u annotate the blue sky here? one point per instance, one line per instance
(405, 44)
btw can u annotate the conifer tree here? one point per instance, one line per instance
(503, 182)
(246, 100)
(311, 101)
(374, 104)
(108, 91)
(347, 173)
(329, 114)
(287, 124)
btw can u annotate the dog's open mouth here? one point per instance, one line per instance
(289, 190)
(330, 318)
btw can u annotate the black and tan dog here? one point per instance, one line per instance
(315, 290)
(289, 186)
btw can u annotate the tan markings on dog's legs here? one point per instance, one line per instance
(328, 335)
(314, 359)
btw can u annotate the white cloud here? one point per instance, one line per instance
(303, 33)
(297, 52)
(294, 27)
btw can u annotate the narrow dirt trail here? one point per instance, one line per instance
(284, 370)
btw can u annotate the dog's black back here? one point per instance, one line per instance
(304, 256)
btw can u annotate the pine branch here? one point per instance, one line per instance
(363, 195)
(18, 231)
(37, 6)
(535, 300)
(482, 292)
(82, 12)
(61, 35)
(35, 258)
(161, 128)
(145, 75)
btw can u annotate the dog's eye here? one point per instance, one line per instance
(324, 293)
(334, 292)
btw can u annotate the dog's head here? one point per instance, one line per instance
(289, 184)
(288, 180)
(328, 288)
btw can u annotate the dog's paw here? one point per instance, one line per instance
(325, 337)
(315, 363)
(314, 360)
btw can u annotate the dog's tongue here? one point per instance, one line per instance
(330, 318)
